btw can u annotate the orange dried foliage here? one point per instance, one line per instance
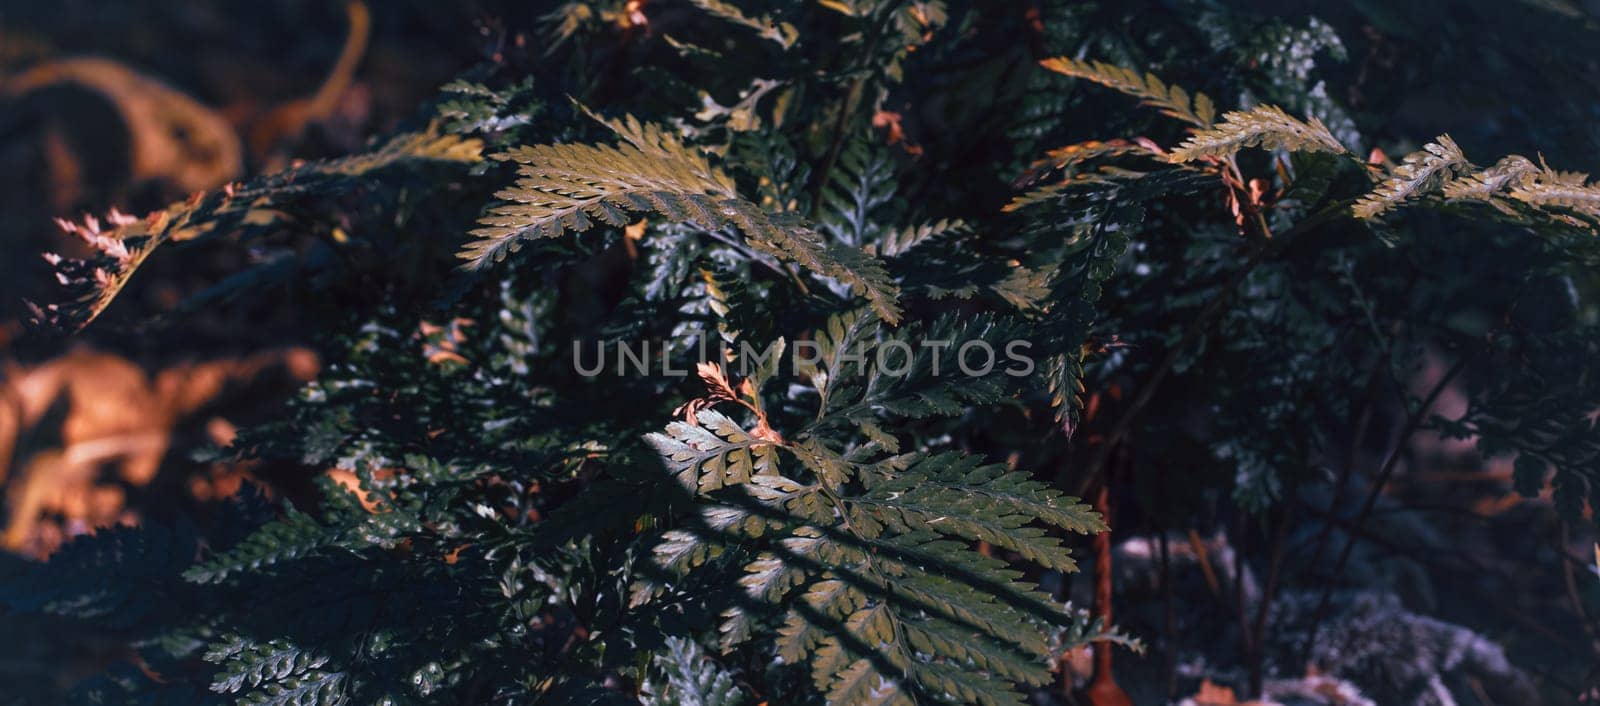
(78, 431)
(441, 344)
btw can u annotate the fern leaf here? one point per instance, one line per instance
(566, 188)
(861, 684)
(256, 664)
(1484, 185)
(1436, 162)
(713, 453)
(1016, 492)
(955, 496)
(1264, 126)
(688, 677)
(860, 185)
(1548, 187)
(123, 242)
(781, 33)
(293, 536)
(901, 241)
(313, 688)
(1069, 155)
(874, 570)
(1172, 101)
(79, 581)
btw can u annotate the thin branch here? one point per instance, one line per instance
(1413, 423)
(1269, 590)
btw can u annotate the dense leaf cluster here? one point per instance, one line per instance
(1202, 296)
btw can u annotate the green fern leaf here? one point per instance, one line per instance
(683, 675)
(874, 570)
(713, 453)
(254, 664)
(291, 537)
(313, 688)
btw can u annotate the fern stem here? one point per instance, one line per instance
(851, 100)
(785, 269)
(836, 146)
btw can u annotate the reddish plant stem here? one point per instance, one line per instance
(1103, 691)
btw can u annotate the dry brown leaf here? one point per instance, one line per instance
(67, 422)
(172, 137)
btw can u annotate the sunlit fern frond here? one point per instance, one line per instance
(1548, 187)
(1566, 197)
(1437, 162)
(781, 33)
(869, 571)
(1063, 157)
(1486, 183)
(565, 188)
(1264, 126)
(1172, 101)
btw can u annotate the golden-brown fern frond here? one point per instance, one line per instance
(1437, 162)
(565, 188)
(1264, 126)
(1515, 186)
(1062, 157)
(1486, 184)
(1172, 101)
(1548, 187)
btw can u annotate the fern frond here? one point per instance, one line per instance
(1435, 163)
(1264, 126)
(926, 382)
(872, 565)
(955, 496)
(1565, 197)
(79, 580)
(1066, 156)
(1548, 187)
(781, 33)
(714, 452)
(310, 688)
(861, 184)
(1087, 629)
(263, 204)
(256, 663)
(898, 242)
(565, 188)
(291, 537)
(1484, 185)
(1172, 101)
(688, 677)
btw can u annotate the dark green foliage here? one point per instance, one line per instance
(879, 521)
